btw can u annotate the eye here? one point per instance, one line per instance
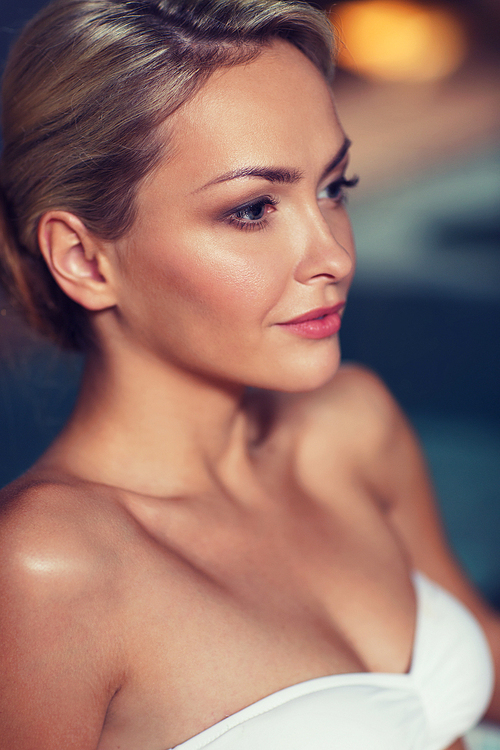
(335, 191)
(255, 212)
(251, 215)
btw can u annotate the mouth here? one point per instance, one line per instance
(316, 324)
(318, 314)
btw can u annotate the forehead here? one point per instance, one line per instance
(275, 109)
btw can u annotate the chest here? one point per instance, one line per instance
(252, 601)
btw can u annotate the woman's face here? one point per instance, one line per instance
(242, 230)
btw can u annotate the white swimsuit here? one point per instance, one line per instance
(445, 692)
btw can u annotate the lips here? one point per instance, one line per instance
(320, 312)
(316, 324)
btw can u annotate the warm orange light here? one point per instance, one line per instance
(398, 41)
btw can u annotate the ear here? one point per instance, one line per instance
(76, 260)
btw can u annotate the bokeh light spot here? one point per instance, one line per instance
(398, 41)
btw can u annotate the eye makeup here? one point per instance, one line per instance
(252, 215)
(336, 190)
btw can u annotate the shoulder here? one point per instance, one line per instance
(350, 430)
(59, 555)
(59, 585)
(355, 409)
(54, 529)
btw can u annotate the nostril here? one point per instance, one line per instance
(327, 275)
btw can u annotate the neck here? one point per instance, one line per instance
(146, 426)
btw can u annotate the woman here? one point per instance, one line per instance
(220, 548)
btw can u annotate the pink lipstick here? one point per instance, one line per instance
(316, 324)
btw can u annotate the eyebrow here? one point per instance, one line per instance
(339, 157)
(277, 174)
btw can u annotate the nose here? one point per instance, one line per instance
(327, 249)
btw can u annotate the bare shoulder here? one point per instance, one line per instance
(352, 433)
(61, 547)
(354, 414)
(59, 552)
(58, 530)
(362, 395)
(59, 586)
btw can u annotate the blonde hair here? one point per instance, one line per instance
(85, 88)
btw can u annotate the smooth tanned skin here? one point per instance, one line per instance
(183, 550)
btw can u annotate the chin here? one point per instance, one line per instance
(304, 373)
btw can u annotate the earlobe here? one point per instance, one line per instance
(76, 260)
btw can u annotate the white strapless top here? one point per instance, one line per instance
(445, 692)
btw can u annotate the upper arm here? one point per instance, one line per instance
(57, 662)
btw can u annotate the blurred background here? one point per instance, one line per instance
(418, 92)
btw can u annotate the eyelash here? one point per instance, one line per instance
(236, 220)
(246, 226)
(339, 186)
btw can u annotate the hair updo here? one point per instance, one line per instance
(85, 88)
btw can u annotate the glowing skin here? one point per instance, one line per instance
(168, 542)
(206, 284)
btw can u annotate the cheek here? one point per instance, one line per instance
(209, 278)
